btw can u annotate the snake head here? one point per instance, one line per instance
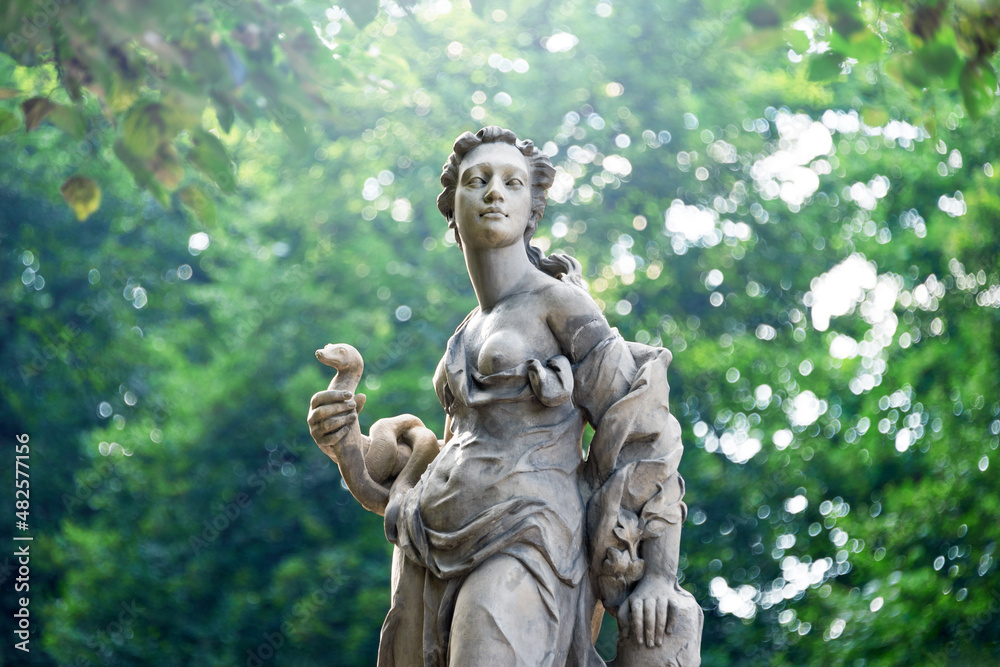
(341, 356)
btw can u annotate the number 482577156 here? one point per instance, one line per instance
(22, 479)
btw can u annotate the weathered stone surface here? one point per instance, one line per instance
(506, 538)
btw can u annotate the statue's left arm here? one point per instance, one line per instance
(635, 513)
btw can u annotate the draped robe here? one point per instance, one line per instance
(512, 481)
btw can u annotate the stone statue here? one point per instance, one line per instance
(509, 545)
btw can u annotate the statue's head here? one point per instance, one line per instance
(540, 172)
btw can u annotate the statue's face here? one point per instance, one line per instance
(493, 197)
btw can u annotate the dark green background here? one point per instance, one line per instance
(181, 513)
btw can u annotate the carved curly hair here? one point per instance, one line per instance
(541, 174)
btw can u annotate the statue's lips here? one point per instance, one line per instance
(493, 214)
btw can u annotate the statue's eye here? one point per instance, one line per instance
(515, 183)
(477, 181)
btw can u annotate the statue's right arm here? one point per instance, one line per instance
(370, 464)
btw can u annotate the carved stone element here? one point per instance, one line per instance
(681, 642)
(509, 544)
(397, 450)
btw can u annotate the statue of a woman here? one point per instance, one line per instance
(509, 542)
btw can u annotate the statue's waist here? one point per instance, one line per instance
(469, 477)
(518, 425)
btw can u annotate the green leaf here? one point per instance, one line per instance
(796, 39)
(212, 158)
(8, 122)
(978, 82)
(905, 68)
(845, 16)
(863, 45)
(825, 66)
(874, 116)
(926, 20)
(362, 12)
(145, 128)
(208, 63)
(83, 196)
(140, 170)
(199, 204)
(138, 167)
(70, 120)
(940, 60)
(763, 15)
(35, 110)
(224, 113)
(166, 167)
(183, 106)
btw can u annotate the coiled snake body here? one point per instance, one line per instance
(395, 453)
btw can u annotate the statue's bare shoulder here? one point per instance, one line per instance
(574, 318)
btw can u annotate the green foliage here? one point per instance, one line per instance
(841, 431)
(162, 70)
(921, 44)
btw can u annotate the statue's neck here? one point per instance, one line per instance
(498, 272)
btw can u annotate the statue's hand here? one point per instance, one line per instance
(333, 421)
(650, 611)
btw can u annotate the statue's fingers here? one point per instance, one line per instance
(661, 619)
(650, 620)
(623, 620)
(324, 412)
(317, 400)
(637, 617)
(330, 426)
(672, 614)
(360, 400)
(328, 397)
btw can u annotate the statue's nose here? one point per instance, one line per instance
(494, 192)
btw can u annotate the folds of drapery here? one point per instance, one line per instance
(634, 491)
(632, 464)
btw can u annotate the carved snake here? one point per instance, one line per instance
(397, 451)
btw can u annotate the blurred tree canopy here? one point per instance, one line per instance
(152, 72)
(920, 43)
(147, 73)
(805, 222)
